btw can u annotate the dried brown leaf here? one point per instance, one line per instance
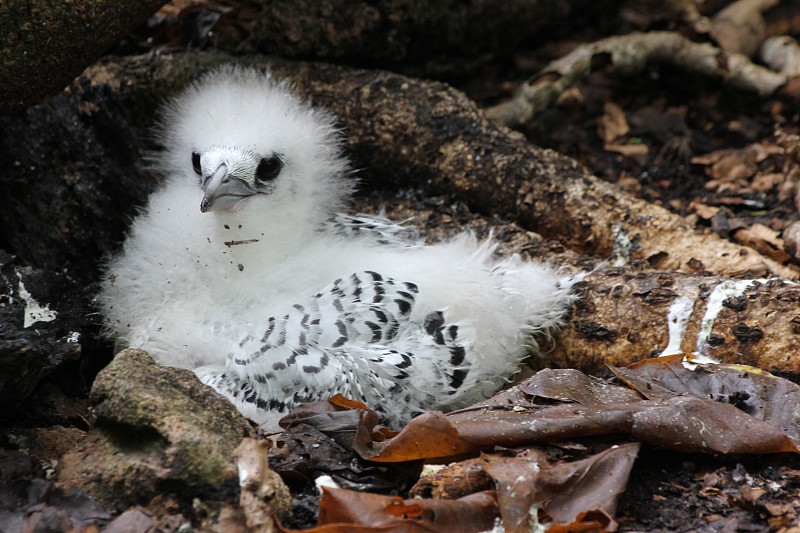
(569, 385)
(753, 391)
(563, 491)
(347, 510)
(516, 427)
(346, 421)
(322, 438)
(763, 239)
(429, 435)
(591, 522)
(666, 419)
(612, 125)
(591, 484)
(706, 212)
(628, 150)
(690, 424)
(767, 181)
(517, 480)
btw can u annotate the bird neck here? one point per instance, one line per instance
(248, 240)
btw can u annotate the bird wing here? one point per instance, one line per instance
(378, 227)
(359, 337)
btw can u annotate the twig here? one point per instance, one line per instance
(629, 54)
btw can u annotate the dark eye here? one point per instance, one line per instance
(269, 168)
(196, 163)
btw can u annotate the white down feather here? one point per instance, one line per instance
(197, 290)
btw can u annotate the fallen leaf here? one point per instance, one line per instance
(320, 438)
(570, 385)
(564, 491)
(591, 522)
(767, 181)
(590, 485)
(727, 167)
(612, 125)
(343, 510)
(518, 493)
(668, 420)
(628, 150)
(429, 435)
(754, 391)
(690, 424)
(134, 519)
(706, 212)
(763, 239)
(341, 401)
(343, 420)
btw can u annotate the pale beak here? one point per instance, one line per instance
(223, 191)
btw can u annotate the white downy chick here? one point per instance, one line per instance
(241, 268)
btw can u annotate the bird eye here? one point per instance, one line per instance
(268, 168)
(196, 163)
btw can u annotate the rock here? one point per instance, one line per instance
(44, 318)
(46, 43)
(398, 35)
(71, 178)
(70, 183)
(157, 427)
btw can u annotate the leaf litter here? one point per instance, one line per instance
(554, 452)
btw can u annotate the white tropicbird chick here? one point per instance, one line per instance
(240, 268)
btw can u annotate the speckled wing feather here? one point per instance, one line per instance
(355, 337)
(378, 227)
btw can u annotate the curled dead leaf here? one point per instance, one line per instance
(763, 239)
(343, 510)
(564, 492)
(755, 392)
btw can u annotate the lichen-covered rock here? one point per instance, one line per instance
(157, 427)
(45, 44)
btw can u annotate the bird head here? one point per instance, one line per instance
(230, 174)
(250, 144)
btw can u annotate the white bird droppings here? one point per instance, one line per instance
(681, 310)
(679, 313)
(325, 481)
(723, 291)
(34, 312)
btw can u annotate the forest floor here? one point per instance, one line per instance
(714, 154)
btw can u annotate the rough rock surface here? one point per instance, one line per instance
(467, 35)
(157, 428)
(44, 44)
(71, 177)
(43, 318)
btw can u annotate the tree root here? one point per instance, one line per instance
(629, 54)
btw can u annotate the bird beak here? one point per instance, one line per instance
(223, 191)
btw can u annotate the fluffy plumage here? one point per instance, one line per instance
(241, 268)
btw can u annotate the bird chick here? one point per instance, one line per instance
(242, 268)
